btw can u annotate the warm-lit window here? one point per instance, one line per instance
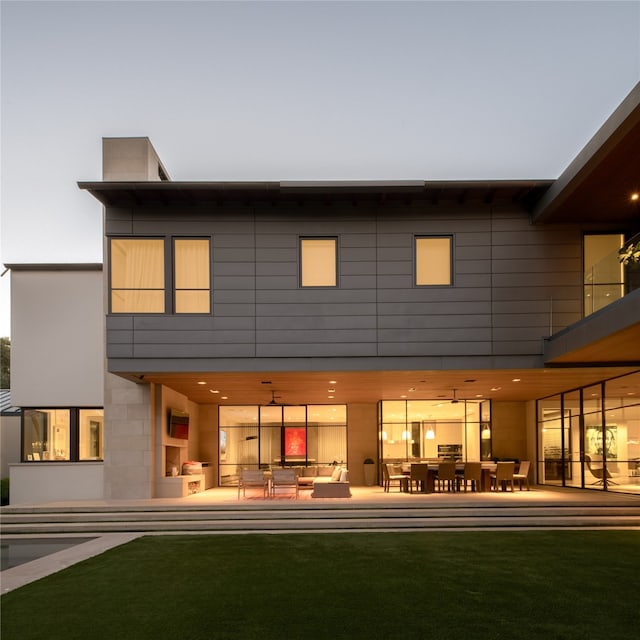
(433, 260)
(91, 434)
(55, 434)
(46, 435)
(603, 272)
(137, 276)
(318, 257)
(191, 272)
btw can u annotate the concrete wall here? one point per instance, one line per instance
(55, 482)
(57, 338)
(129, 436)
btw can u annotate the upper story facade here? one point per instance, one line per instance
(210, 276)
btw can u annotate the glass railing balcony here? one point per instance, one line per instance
(609, 280)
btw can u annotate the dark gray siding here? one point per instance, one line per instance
(513, 284)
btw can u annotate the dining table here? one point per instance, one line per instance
(432, 473)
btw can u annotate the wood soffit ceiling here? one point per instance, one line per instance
(299, 387)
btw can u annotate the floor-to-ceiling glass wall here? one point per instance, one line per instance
(590, 437)
(261, 437)
(434, 429)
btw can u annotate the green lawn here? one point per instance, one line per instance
(401, 586)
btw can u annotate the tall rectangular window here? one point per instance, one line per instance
(603, 272)
(137, 275)
(318, 262)
(191, 274)
(433, 260)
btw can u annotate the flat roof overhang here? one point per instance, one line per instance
(113, 194)
(597, 186)
(304, 385)
(610, 336)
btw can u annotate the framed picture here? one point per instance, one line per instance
(295, 441)
(599, 439)
(223, 445)
(36, 456)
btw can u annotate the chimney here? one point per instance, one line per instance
(131, 160)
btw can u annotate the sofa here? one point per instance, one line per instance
(325, 481)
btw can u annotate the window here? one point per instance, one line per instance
(263, 437)
(62, 435)
(433, 260)
(137, 276)
(318, 260)
(603, 272)
(191, 274)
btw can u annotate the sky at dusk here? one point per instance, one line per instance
(293, 91)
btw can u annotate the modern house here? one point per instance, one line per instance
(265, 324)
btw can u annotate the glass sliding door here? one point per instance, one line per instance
(262, 437)
(434, 429)
(590, 437)
(554, 441)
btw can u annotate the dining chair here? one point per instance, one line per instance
(447, 475)
(418, 475)
(284, 479)
(252, 478)
(503, 474)
(472, 473)
(523, 474)
(392, 474)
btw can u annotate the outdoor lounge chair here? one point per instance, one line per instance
(284, 479)
(252, 478)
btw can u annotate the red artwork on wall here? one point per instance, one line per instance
(295, 441)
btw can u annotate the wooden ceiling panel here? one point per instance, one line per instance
(299, 387)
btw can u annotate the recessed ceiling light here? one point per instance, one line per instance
(213, 391)
(412, 389)
(331, 390)
(224, 398)
(333, 382)
(403, 396)
(330, 397)
(201, 382)
(496, 388)
(516, 380)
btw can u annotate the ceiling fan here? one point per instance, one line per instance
(273, 399)
(454, 400)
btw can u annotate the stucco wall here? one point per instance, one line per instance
(55, 482)
(57, 338)
(10, 443)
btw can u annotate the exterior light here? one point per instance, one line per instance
(635, 197)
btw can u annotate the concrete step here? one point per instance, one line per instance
(291, 518)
